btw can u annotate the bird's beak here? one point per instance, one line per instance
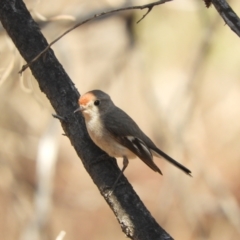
(79, 109)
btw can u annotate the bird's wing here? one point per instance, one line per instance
(138, 147)
(127, 133)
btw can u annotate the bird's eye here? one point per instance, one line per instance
(96, 102)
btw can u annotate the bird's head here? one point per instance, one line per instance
(94, 103)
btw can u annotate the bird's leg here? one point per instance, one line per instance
(125, 164)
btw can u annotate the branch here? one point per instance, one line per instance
(135, 220)
(146, 6)
(228, 15)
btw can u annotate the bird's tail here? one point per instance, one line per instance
(158, 153)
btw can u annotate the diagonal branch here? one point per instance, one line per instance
(135, 220)
(148, 6)
(228, 15)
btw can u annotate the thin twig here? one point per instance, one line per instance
(148, 6)
(149, 10)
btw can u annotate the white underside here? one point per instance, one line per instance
(104, 141)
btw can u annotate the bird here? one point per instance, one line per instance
(117, 134)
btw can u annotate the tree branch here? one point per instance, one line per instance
(135, 220)
(228, 15)
(148, 6)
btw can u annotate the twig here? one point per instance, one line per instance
(59, 117)
(149, 10)
(148, 6)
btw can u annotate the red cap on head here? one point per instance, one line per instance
(84, 99)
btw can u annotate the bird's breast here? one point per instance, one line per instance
(103, 139)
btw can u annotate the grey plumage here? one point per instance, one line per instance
(126, 132)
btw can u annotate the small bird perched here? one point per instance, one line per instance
(117, 134)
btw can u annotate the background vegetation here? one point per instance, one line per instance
(176, 73)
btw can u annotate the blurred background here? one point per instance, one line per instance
(176, 73)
